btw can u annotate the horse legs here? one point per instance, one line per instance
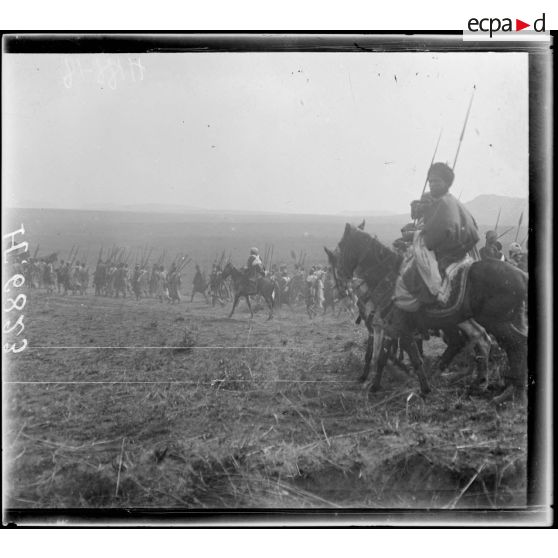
(477, 336)
(236, 299)
(249, 305)
(270, 305)
(455, 342)
(409, 344)
(514, 343)
(367, 357)
(398, 359)
(378, 340)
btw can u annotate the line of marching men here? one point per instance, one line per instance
(45, 273)
(120, 280)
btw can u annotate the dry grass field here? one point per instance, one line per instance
(118, 403)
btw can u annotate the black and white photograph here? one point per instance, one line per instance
(275, 274)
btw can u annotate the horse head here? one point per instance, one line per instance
(348, 252)
(333, 257)
(358, 250)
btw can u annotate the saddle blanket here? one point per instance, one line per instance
(411, 292)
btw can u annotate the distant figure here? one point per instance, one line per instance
(329, 291)
(48, 277)
(492, 248)
(161, 291)
(120, 280)
(199, 284)
(136, 287)
(282, 279)
(518, 257)
(173, 282)
(100, 278)
(216, 285)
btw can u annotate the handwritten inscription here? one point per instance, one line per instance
(106, 71)
(14, 301)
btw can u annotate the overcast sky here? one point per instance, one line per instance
(288, 132)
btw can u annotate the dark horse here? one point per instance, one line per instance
(494, 301)
(246, 287)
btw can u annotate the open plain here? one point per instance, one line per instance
(118, 403)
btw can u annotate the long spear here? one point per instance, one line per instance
(146, 260)
(518, 226)
(464, 127)
(431, 162)
(474, 250)
(221, 261)
(505, 232)
(497, 220)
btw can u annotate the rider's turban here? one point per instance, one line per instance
(441, 170)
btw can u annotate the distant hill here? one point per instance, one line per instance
(204, 234)
(485, 209)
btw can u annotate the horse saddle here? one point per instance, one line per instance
(411, 293)
(451, 296)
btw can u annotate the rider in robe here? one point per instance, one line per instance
(254, 266)
(446, 233)
(492, 248)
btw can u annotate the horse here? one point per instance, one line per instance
(244, 286)
(494, 301)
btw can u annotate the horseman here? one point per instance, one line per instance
(492, 248)
(254, 266)
(446, 232)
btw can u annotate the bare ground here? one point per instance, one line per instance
(200, 411)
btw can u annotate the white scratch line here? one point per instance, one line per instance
(179, 347)
(191, 382)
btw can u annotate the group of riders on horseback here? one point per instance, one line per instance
(315, 288)
(435, 281)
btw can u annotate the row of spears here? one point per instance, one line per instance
(127, 273)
